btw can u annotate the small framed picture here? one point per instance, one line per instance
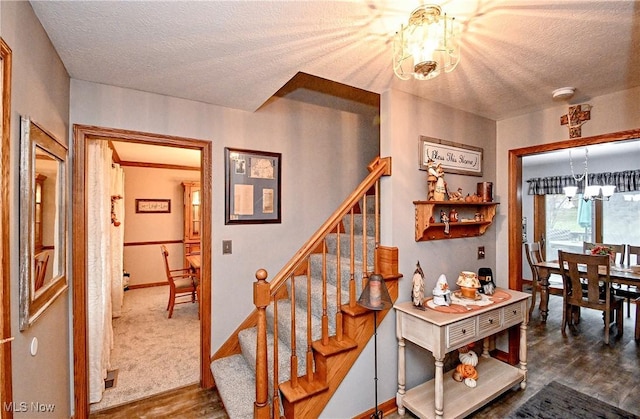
(151, 206)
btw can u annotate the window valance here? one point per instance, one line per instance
(626, 181)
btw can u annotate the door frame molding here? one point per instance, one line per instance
(81, 134)
(515, 190)
(6, 381)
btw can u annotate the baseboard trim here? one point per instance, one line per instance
(148, 285)
(386, 408)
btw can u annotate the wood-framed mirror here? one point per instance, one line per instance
(43, 204)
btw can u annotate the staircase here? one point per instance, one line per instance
(290, 355)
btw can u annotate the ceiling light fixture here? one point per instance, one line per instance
(563, 93)
(427, 45)
(591, 192)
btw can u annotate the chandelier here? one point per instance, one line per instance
(591, 192)
(427, 45)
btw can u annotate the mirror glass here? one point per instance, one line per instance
(42, 221)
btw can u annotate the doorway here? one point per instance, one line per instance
(82, 134)
(515, 191)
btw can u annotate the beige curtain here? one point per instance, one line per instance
(99, 272)
(117, 239)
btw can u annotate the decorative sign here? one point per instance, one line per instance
(453, 157)
(153, 205)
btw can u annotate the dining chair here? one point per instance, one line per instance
(594, 287)
(182, 283)
(629, 292)
(41, 262)
(534, 253)
(618, 249)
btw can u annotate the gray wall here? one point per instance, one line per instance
(40, 90)
(325, 152)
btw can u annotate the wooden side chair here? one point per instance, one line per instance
(41, 262)
(588, 288)
(182, 283)
(618, 249)
(534, 253)
(630, 292)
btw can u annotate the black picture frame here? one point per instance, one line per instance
(252, 186)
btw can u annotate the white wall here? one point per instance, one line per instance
(40, 89)
(324, 156)
(404, 119)
(610, 113)
(144, 262)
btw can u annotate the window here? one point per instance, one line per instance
(621, 219)
(569, 223)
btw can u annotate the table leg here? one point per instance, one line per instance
(523, 353)
(543, 275)
(439, 390)
(401, 377)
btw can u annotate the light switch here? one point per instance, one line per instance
(226, 247)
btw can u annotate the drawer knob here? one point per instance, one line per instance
(515, 311)
(490, 321)
(464, 331)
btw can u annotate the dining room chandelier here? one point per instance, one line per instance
(426, 46)
(591, 192)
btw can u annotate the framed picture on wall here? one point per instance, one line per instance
(252, 186)
(151, 206)
(453, 157)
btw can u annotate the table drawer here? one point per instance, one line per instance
(460, 332)
(513, 314)
(489, 321)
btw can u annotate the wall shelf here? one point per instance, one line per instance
(427, 212)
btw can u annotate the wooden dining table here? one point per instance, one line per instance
(194, 263)
(618, 273)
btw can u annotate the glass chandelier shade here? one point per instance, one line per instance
(591, 192)
(426, 46)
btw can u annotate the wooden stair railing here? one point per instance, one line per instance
(283, 286)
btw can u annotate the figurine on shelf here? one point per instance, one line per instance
(453, 215)
(432, 179)
(444, 218)
(441, 292)
(441, 186)
(456, 195)
(417, 291)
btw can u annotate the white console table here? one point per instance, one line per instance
(441, 333)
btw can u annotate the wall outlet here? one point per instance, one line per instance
(226, 247)
(480, 252)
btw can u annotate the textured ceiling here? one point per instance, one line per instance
(237, 54)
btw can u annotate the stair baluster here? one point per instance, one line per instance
(339, 329)
(261, 299)
(310, 373)
(275, 410)
(294, 351)
(325, 317)
(352, 269)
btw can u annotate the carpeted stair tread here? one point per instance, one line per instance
(358, 221)
(332, 270)
(236, 384)
(345, 246)
(316, 297)
(248, 338)
(284, 325)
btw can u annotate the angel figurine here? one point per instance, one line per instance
(417, 291)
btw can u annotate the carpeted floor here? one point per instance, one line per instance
(152, 353)
(557, 401)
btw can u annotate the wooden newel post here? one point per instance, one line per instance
(261, 298)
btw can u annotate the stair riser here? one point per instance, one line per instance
(345, 246)
(358, 220)
(332, 270)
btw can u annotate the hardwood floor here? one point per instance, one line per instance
(582, 361)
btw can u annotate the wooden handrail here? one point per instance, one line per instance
(378, 167)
